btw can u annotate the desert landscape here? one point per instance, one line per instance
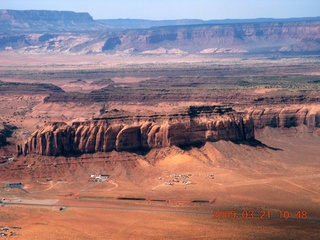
(109, 136)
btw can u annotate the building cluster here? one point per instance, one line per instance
(179, 178)
(8, 232)
(13, 185)
(211, 176)
(5, 160)
(98, 178)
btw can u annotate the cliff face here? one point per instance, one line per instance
(42, 20)
(133, 133)
(78, 32)
(286, 117)
(43, 15)
(141, 23)
(232, 38)
(123, 131)
(22, 88)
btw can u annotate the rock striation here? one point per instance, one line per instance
(143, 23)
(286, 117)
(8, 88)
(46, 21)
(123, 131)
(70, 32)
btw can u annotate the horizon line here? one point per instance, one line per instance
(172, 19)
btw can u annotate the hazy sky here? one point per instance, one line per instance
(175, 9)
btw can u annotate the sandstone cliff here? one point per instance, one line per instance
(292, 116)
(121, 131)
(44, 21)
(142, 23)
(28, 88)
(78, 32)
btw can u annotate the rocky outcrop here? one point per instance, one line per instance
(122, 131)
(28, 88)
(286, 117)
(42, 20)
(142, 23)
(78, 32)
(103, 82)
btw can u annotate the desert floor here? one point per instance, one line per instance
(259, 183)
(273, 189)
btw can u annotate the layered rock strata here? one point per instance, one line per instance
(46, 21)
(122, 131)
(70, 32)
(286, 117)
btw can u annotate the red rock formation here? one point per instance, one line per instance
(286, 117)
(132, 133)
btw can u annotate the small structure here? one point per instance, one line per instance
(99, 178)
(92, 178)
(4, 159)
(13, 185)
(18, 185)
(4, 231)
(211, 175)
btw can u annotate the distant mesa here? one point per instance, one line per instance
(222, 50)
(70, 32)
(102, 82)
(161, 50)
(144, 23)
(286, 117)
(28, 88)
(45, 20)
(79, 81)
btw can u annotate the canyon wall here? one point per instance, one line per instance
(70, 32)
(124, 132)
(292, 116)
(46, 21)
(7, 88)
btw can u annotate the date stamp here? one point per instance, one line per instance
(263, 214)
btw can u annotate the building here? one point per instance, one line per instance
(99, 178)
(13, 185)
